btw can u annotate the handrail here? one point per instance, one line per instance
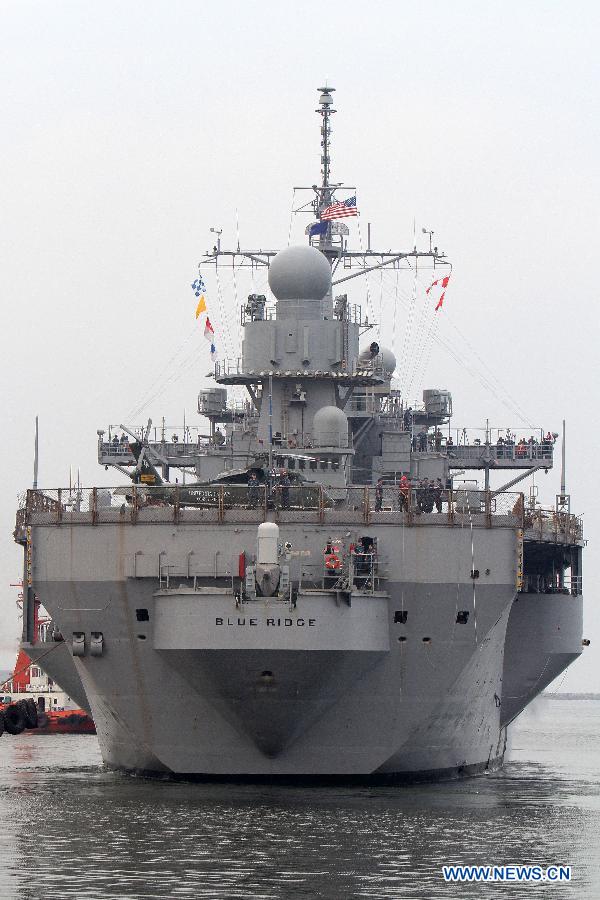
(304, 502)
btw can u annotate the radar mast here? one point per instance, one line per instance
(325, 110)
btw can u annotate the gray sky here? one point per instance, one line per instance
(130, 129)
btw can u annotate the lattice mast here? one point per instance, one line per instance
(325, 192)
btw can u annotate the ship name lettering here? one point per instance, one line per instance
(275, 623)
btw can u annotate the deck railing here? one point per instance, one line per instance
(306, 502)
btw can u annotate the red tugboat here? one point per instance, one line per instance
(56, 712)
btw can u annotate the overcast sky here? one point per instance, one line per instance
(129, 129)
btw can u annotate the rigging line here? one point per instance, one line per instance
(30, 663)
(422, 337)
(395, 316)
(238, 346)
(370, 307)
(426, 337)
(476, 375)
(499, 387)
(425, 322)
(393, 299)
(172, 379)
(499, 384)
(421, 371)
(291, 217)
(402, 299)
(483, 381)
(182, 365)
(237, 304)
(408, 334)
(161, 387)
(428, 348)
(380, 305)
(227, 342)
(471, 370)
(136, 409)
(480, 377)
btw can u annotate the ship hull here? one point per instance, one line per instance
(56, 659)
(344, 712)
(402, 682)
(543, 638)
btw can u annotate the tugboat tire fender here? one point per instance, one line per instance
(14, 719)
(1, 723)
(29, 712)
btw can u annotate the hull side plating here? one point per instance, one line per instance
(333, 686)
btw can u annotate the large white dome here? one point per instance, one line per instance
(299, 273)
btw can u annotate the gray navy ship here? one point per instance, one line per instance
(322, 594)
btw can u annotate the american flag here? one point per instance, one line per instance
(340, 210)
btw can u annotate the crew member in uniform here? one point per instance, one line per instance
(332, 563)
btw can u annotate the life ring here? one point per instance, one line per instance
(14, 719)
(30, 712)
(332, 561)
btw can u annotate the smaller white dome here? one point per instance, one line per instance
(299, 273)
(388, 360)
(383, 355)
(330, 427)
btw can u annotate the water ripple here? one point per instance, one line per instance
(72, 829)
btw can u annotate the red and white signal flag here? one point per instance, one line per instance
(441, 284)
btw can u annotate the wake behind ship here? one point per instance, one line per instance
(326, 598)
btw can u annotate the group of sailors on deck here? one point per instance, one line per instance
(423, 494)
(525, 448)
(506, 447)
(120, 444)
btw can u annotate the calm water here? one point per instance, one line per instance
(69, 829)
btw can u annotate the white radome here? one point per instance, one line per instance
(299, 273)
(330, 427)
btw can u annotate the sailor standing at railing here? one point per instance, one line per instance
(379, 495)
(332, 563)
(437, 495)
(284, 487)
(403, 493)
(253, 490)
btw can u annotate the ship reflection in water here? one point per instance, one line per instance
(73, 829)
